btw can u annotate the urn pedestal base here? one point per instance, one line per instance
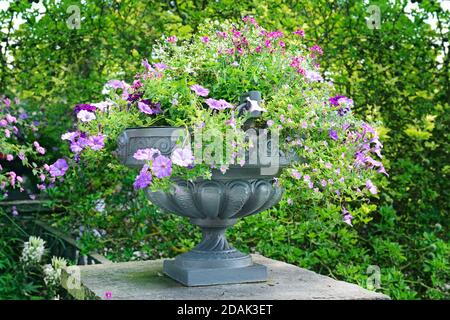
(194, 276)
(213, 261)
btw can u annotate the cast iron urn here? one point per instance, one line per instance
(213, 205)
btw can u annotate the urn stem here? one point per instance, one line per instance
(214, 239)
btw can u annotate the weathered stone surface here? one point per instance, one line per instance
(145, 280)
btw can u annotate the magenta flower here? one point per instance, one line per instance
(299, 32)
(205, 39)
(172, 39)
(144, 179)
(162, 167)
(316, 48)
(149, 107)
(11, 119)
(96, 142)
(333, 135)
(3, 123)
(222, 34)
(59, 168)
(199, 90)
(218, 104)
(182, 157)
(9, 157)
(39, 149)
(12, 178)
(146, 154)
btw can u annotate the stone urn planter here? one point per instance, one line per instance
(213, 205)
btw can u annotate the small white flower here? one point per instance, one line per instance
(85, 116)
(69, 136)
(33, 251)
(100, 205)
(103, 106)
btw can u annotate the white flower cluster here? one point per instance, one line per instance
(52, 272)
(33, 251)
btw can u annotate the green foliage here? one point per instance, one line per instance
(25, 279)
(398, 74)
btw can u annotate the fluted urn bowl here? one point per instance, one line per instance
(213, 205)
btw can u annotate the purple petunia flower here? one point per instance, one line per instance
(333, 135)
(347, 217)
(199, 90)
(299, 32)
(146, 65)
(146, 154)
(162, 167)
(84, 106)
(149, 107)
(134, 97)
(59, 168)
(160, 66)
(144, 179)
(96, 142)
(371, 187)
(218, 104)
(182, 157)
(117, 84)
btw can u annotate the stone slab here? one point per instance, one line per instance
(144, 280)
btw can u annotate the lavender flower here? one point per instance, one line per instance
(313, 76)
(371, 187)
(149, 107)
(218, 104)
(346, 216)
(96, 142)
(199, 90)
(333, 135)
(182, 157)
(146, 154)
(296, 174)
(144, 179)
(162, 167)
(59, 168)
